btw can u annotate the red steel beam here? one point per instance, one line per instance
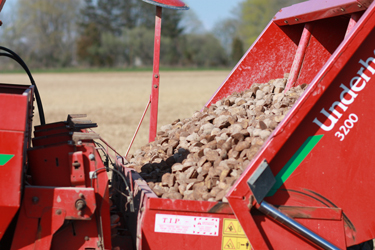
(155, 77)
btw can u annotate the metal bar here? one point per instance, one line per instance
(139, 125)
(155, 77)
(353, 21)
(300, 55)
(318, 9)
(283, 219)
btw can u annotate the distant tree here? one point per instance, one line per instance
(256, 14)
(47, 30)
(203, 50)
(237, 49)
(97, 18)
(139, 44)
(226, 31)
(191, 23)
(115, 20)
(88, 43)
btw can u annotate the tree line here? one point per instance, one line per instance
(119, 33)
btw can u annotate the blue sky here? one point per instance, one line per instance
(212, 11)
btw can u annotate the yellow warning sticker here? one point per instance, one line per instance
(236, 243)
(234, 237)
(232, 227)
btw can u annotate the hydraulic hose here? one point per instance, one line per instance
(18, 59)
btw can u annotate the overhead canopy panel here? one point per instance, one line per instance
(170, 4)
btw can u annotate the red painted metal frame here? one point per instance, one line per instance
(155, 77)
(326, 175)
(60, 179)
(15, 115)
(318, 9)
(170, 4)
(331, 176)
(44, 211)
(149, 205)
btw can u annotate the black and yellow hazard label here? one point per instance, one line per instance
(233, 236)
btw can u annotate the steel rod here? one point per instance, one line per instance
(155, 77)
(283, 219)
(353, 21)
(300, 55)
(139, 125)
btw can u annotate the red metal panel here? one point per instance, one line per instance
(77, 235)
(11, 143)
(335, 173)
(63, 198)
(44, 211)
(50, 166)
(274, 236)
(53, 166)
(318, 9)
(51, 131)
(326, 36)
(50, 126)
(77, 176)
(13, 112)
(268, 58)
(14, 115)
(51, 139)
(171, 4)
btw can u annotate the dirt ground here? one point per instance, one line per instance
(115, 101)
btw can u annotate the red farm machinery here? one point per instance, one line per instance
(310, 186)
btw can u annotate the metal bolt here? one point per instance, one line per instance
(81, 196)
(79, 213)
(35, 200)
(156, 76)
(360, 6)
(142, 209)
(80, 204)
(139, 236)
(91, 157)
(297, 19)
(87, 238)
(342, 9)
(285, 21)
(155, 86)
(79, 143)
(76, 164)
(58, 212)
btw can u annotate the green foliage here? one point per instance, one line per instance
(203, 50)
(139, 44)
(256, 14)
(47, 36)
(226, 31)
(237, 50)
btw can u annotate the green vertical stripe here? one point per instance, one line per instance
(294, 162)
(4, 159)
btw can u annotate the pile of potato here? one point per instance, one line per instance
(201, 157)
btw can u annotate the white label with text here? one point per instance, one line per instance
(349, 92)
(180, 224)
